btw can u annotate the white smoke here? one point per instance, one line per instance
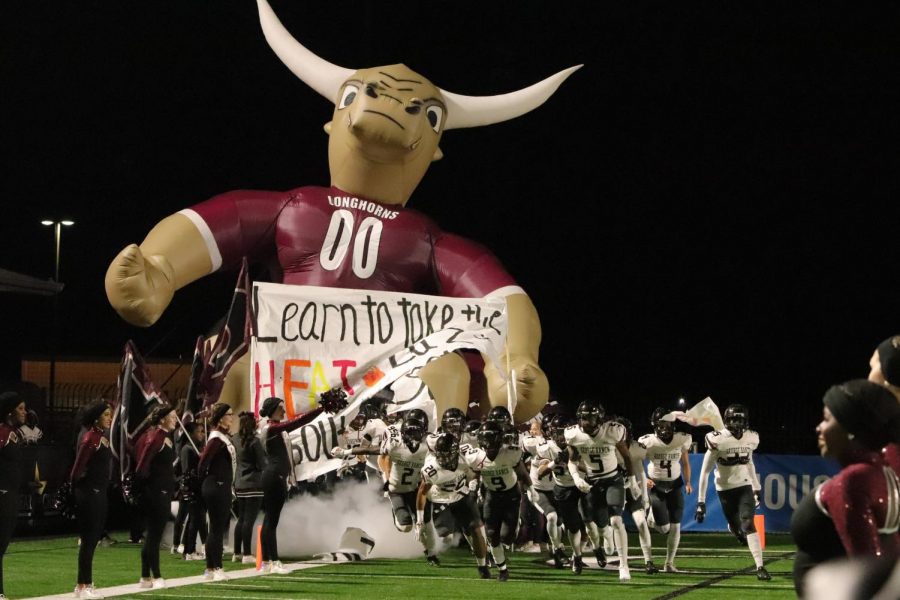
(313, 524)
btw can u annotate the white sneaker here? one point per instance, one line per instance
(670, 568)
(277, 568)
(194, 556)
(208, 574)
(237, 557)
(145, 583)
(90, 593)
(159, 583)
(249, 560)
(219, 575)
(173, 550)
(75, 594)
(180, 549)
(624, 574)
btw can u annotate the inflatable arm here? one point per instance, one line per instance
(141, 280)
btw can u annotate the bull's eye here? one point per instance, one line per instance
(434, 114)
(347, 96)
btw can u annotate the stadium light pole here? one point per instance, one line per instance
(57, 234)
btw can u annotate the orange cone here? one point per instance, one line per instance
(259, 547)
(759, 521)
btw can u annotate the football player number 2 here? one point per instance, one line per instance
(407, 473)
(340, 237)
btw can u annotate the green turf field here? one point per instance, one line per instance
(710, 565)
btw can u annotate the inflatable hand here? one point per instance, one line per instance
(532, 387)
(139, 287)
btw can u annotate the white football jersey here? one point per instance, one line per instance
(370, 436)
(734, 458)
(597, 452)
(446, 486)
(540, 456)
(498, 475)
(406, 464)
(665, 459)
(560, 459)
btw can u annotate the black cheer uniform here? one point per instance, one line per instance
(216, 469)
(90, 479)
(155, 473)
(274, 477)
(10, 482)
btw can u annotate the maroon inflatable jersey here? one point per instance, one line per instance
(327, 237)
(863, 501)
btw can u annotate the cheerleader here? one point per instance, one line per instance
(90, 479)
(216, 469)
(251, 460)
(155, 478)
(12, 416)
(274, 477)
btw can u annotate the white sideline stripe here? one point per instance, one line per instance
(132, 588)
(241, 597)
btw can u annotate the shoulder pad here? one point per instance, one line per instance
(645, 440)
(572, 431)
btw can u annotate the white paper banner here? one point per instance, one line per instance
(310, 339)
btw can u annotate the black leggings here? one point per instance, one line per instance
(156, 505)
(247, 509)
(274, 495)
(91, 507)
(9, 509)
(217, 497)
(196, 523)
(180, 521)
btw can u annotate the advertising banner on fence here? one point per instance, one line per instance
(310, 339)
(785, 478)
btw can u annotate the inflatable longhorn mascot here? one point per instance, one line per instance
(383, 135)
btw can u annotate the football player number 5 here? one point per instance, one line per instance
(340, 237)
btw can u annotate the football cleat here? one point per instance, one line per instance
(484, 572)
(577, 565)
(559, 558)
(503, 575)
(651, 568)
(433, 560)
(762, 574)
(624, 574)
(670, 568)
(601, 557)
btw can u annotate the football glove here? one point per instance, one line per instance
(632, 484)
(418, 530)
(756, 498)
(339, 452)
(701, 512)
(583, 486)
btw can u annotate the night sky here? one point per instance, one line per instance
(709, 207)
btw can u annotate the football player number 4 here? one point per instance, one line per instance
(340, 237)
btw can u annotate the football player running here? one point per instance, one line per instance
(565, 495)
(731, 451)
(593, 445)
(405, 453)
(667, 453)
(444, 494)
(536, 443)
(452, 422)
(501, 470)
(638, 507)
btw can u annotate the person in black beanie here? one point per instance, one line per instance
(90, 479)
(12, 416)
(216, 469)
(155, 478)
(279, 467)
(251, 460)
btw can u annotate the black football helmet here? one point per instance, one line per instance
(589, 415)
(500, 414)
(452, 421)
(490, 436)
(414, 427)
(737, 419)
(446, 451)
(664, 430)
(510, 435)
(558, 426)
(367, 410)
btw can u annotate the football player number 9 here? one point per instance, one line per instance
(365, 243)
